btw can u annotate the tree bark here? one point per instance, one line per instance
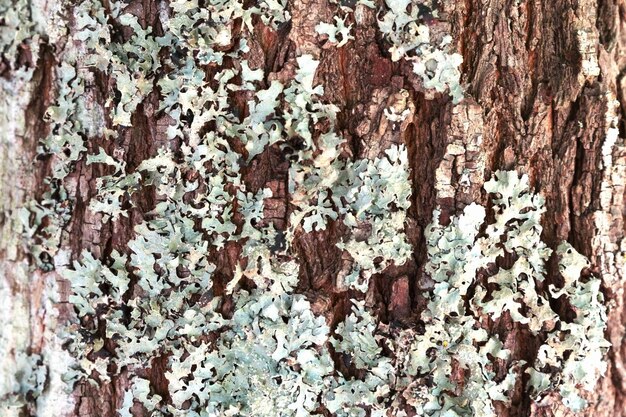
(544, 94)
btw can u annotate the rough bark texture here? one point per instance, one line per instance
(534, 102)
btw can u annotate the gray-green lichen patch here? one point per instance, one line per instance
(21, 31)
(377, 195)
(405, 26)
(459, 250)
(274, 345)
(577, 349)
(26, 306)
(252, 345)
(23, 381)
(355, 340)
(273, 353)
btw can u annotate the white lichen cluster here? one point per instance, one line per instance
(158, 300)
(405, 28)
(252, 346)
(274, 353)
(458, 253)
(405, 24)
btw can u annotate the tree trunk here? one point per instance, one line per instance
(543, 95)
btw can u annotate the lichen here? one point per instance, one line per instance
(276, 344)
(460, 250)
(337, 33)
(242, 341)
(405, 25)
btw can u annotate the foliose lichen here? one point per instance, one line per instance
(252, 345)
(405, 25)
(446, 369)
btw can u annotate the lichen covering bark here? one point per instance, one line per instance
(252, 344)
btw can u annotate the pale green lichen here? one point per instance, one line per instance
(337, 33)
(406, 25)
(24, 382)
(377, 195)
(251, 345)
(283, 346)
(574, 354)
(21, 25)
(410, 37)
(357, 344)
(132, 63)
(459, 250)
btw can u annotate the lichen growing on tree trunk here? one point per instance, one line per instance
(312, 208)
